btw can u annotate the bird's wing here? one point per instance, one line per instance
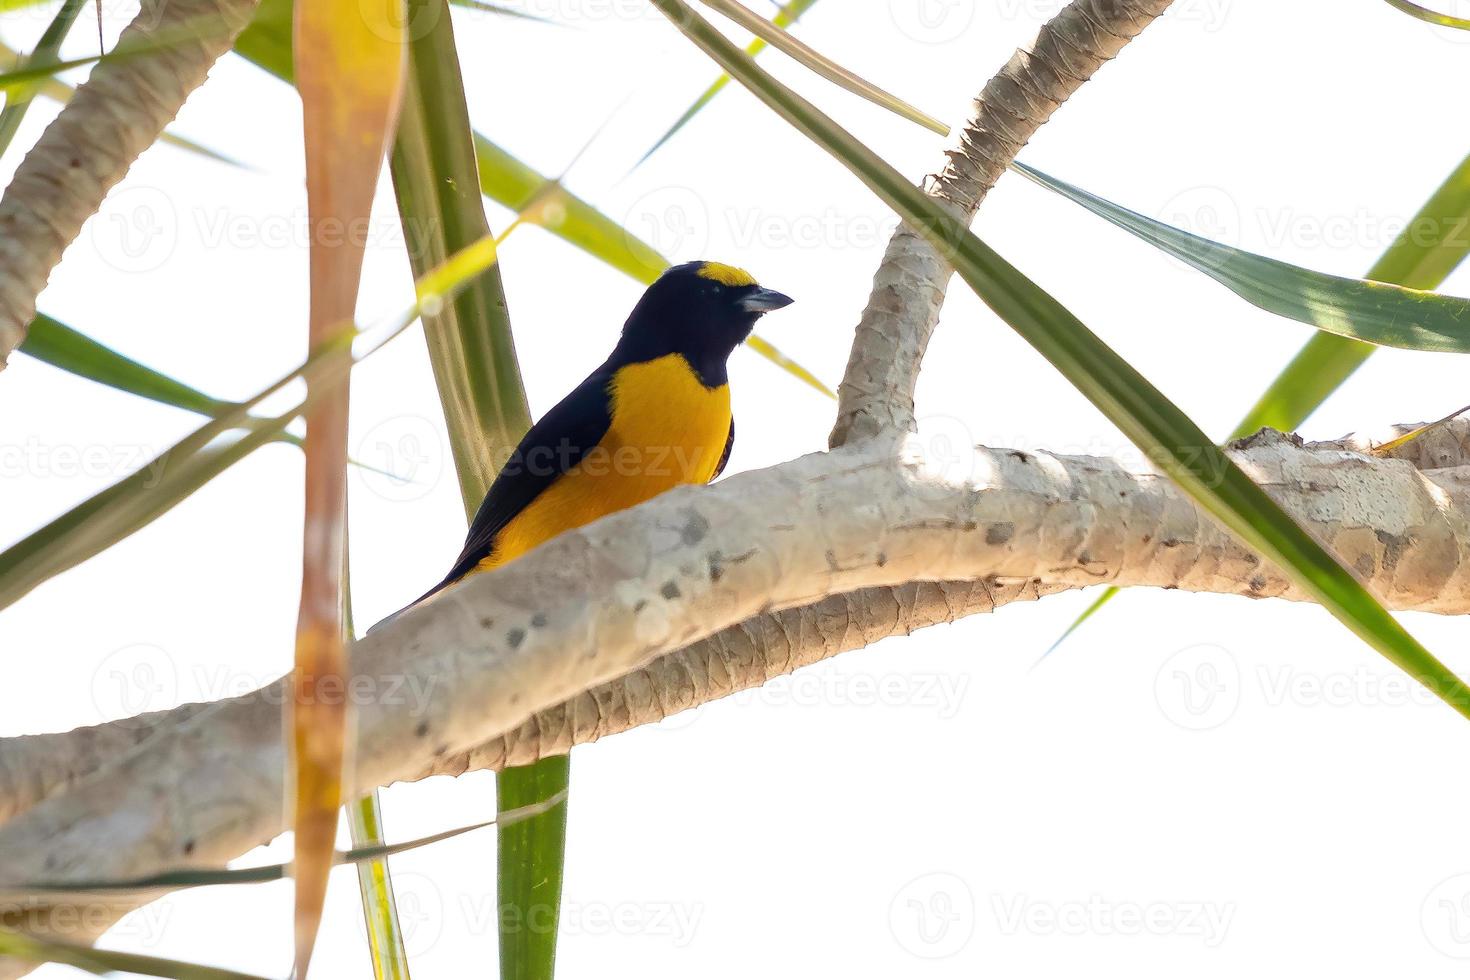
(725, 456)
(554, 445)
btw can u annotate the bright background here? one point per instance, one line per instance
(1193, 784)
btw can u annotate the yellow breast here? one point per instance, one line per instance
(667, 429)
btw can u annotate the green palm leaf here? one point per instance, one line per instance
(470, 343)
(1433, 245)
(375, 887)
(53, 342)
(1361, 309)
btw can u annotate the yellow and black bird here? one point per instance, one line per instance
(654, 415)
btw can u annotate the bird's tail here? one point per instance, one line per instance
(392, 616)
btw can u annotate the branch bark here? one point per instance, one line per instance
(36, 767)
(877, 390)
(504, 659)
(116, 115)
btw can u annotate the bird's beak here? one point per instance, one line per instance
(763, 300)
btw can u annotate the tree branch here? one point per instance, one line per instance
(513, 650)
(35, 767)
(877, 391)
(116, 115)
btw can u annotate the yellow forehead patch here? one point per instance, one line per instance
(726, 275)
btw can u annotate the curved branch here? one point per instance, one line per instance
(877, 390)
(35, 767)
(116, 115)
(505, 651)
(747, 655)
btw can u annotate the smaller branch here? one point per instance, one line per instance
(111, 119)
(877, 391)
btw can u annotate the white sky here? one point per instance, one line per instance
(973, 819)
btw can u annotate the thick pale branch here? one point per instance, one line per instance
(34, 767)
(877, 391)
(436, 688)
(116, 115)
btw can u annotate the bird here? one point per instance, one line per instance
(654, 415)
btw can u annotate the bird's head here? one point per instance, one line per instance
(702, 310)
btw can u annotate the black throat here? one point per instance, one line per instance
(709, 362)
